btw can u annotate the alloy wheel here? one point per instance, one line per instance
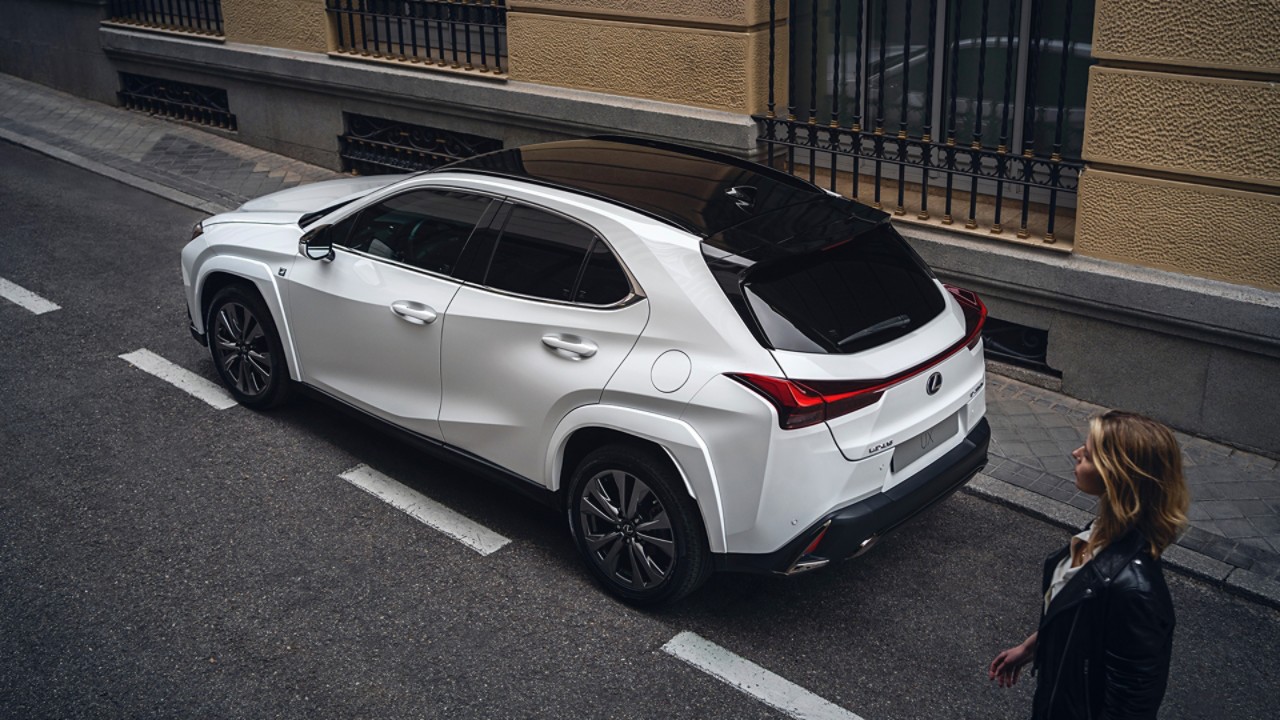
(626, 529)
(243, 349)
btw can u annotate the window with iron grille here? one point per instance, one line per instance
(203, 17)
(377, 146)
(470, 35)
(958, 110)
(177, 100)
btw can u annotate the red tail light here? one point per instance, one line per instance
(801, 403)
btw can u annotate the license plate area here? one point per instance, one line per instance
(915, 448)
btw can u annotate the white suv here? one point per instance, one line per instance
(709, 364)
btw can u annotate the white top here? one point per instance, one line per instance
(1064, 572)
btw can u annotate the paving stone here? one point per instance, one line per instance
(1205, 492)
(1222, 509)
(1238, 559)
(1236, 528)
(1267, 525)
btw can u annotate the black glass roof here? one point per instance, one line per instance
(702, 192)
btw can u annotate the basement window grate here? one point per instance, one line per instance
(1018, 345)
(377, 146)
(178, 100)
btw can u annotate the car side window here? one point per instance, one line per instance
(539, 254)
(603, 280)
(426, 229)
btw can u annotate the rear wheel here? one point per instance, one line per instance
(246, 348)
(636, 527)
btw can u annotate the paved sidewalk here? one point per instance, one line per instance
(1234, 539)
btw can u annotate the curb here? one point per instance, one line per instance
(1237, 581)
(120, 176)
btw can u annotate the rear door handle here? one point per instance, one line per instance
(413, 312)
(571, 344)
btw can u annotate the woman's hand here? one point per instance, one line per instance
(1008, 664)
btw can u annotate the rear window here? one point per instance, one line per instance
(844, 299)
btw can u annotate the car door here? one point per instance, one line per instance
(367, 324)
(552, 319)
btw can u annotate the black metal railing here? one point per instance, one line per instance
(977, 106)
(177, 100)
(203, 17)
(376, 146)
(463, 34)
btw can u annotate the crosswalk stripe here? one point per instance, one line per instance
(771, 689)
(425, 510)
(24, 297)
(180, 378)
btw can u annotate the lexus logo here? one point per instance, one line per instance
(934, 384)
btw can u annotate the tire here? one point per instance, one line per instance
(636, 527)
(246, 348)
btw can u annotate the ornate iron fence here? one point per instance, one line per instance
(375, 146)
(975, 105)
(463, 34)
(177, 100)
(203, 17)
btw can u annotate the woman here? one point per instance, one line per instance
(1106, 628)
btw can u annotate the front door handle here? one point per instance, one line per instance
(413, 312)
(571, 344)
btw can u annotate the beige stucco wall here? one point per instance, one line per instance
(701, 66)
(1208, 127)
(290, 24)
(1226, 34)
(1201, 230)
(1181, 128)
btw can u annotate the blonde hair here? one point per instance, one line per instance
(1141, 468)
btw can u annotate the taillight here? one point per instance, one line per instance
(801, 403)
(975, 314)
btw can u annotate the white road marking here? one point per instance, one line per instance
(25, 298)
(772, 690)
(425, 510)
(183, 379)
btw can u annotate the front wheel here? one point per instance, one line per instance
(636, 527)
(246, 348)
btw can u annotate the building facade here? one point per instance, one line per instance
(1103, 172)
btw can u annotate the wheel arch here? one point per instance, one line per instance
(593, 426)
(221, 272)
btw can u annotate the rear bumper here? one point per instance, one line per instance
(853, 529)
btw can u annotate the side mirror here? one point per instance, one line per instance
(317, 243)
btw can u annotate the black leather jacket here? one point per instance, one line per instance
(1105, 641)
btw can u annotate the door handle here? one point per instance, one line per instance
(571, 344)
(413, 312)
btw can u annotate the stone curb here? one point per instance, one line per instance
(92, 166)
(1237, 581)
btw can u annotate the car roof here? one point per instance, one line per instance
(699, 191)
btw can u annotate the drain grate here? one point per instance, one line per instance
(376, 146)
(178, 100)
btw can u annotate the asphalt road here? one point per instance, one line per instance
(160, 558)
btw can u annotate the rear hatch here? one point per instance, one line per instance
(858, 326)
